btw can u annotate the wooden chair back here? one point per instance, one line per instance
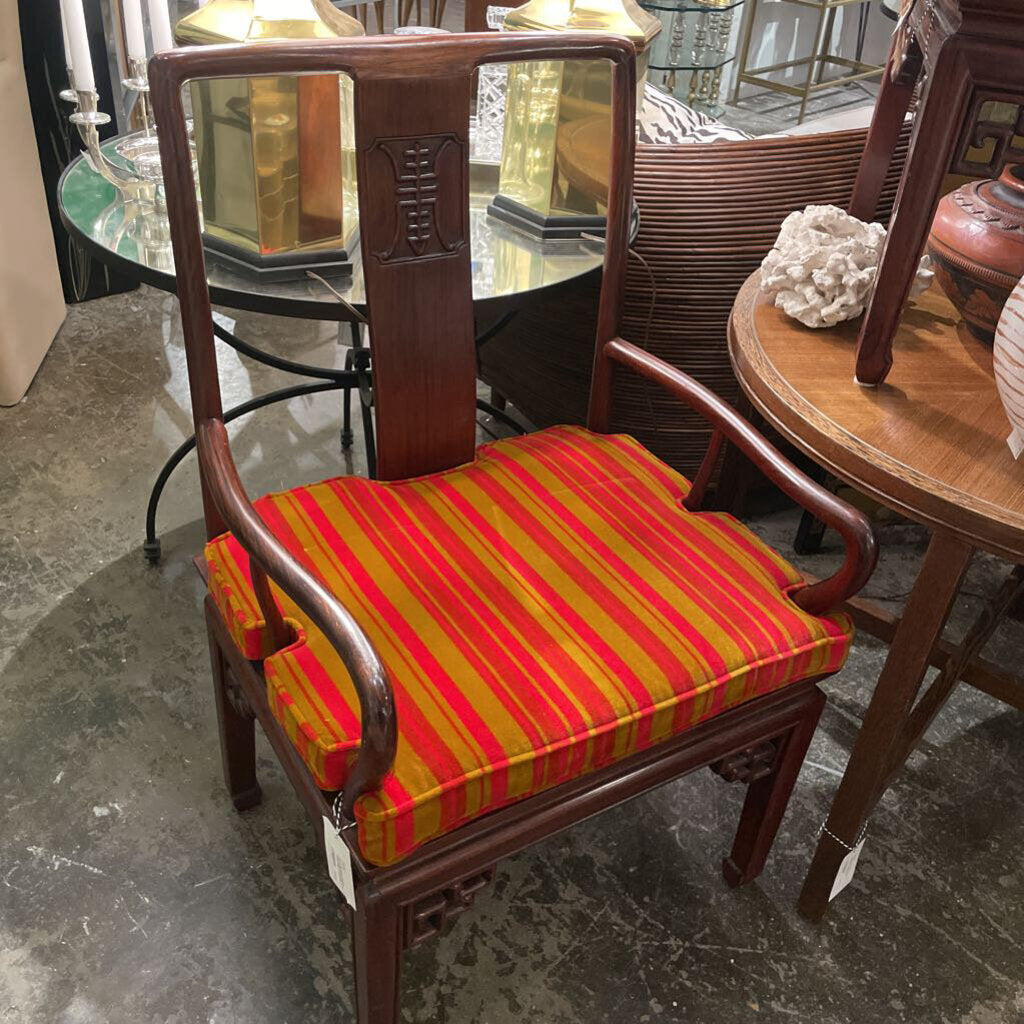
(412, 107)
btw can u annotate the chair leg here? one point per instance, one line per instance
(767, 799)
(376, 960)
(237, 733)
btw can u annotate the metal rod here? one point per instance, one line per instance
(151, 548)
(278, 362)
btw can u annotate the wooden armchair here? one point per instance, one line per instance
(484, 647)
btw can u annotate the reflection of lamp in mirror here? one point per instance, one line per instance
(278, 197)
(554, 165)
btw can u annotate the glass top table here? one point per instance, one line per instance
(509, 268)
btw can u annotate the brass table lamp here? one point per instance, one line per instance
(554, 165)
(279, 197)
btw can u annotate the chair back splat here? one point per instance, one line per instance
(412, 103)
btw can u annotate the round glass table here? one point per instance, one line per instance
(509, 270)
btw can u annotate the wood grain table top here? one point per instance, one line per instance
(930, 442)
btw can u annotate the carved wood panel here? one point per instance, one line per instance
(996, 135)
(412, 143)
(430, 916)
(429, 211)
(749, 764)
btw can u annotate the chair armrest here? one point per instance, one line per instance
(852, 525)
(379, 728)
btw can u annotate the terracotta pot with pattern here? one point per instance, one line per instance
(1008, 359)
(977, 245)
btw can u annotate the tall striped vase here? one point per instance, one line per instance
(1008, 357)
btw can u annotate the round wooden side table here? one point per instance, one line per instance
(929, 443)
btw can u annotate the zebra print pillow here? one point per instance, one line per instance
(663, 120)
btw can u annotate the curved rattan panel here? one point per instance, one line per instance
(709, 214)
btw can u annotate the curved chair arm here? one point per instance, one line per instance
(379, 730)
(852, 525)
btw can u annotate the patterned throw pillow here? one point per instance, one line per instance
(663, 120)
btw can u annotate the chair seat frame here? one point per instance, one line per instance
(412, 101)
(761, 744)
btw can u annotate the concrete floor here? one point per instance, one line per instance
(130, 891)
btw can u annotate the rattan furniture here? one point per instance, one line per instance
(708, 216)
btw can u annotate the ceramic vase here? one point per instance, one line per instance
(1008, 359)
(977, 247)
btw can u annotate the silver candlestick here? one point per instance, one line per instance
(69, 95)
(88, 118)
(138, 82)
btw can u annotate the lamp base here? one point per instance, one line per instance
(282, 266)
(566, 225)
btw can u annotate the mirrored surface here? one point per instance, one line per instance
(505, 263)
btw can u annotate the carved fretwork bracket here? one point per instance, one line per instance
(429, 916)
(1002, 137)
(749, 764)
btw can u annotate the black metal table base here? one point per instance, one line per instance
(355, 376)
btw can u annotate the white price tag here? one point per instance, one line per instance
(844, 876)
(1016, 443)
(339, 862)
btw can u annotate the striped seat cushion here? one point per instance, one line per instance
(542, 611)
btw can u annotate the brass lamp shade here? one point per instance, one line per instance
(279, 196)
(554, 164)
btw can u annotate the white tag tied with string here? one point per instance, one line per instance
(844, 876)
(339, 862)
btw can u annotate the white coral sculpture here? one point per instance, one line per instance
(823, 266)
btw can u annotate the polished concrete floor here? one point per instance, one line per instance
(131, 892)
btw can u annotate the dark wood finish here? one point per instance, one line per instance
(379, 729)
(237, 733)
(412, 111)
(708, 216)
(966, 52)
(929, 443)
(280, 634)
(767, 796)
(415, 235)
(851, 524)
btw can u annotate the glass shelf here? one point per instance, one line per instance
(690, 6)
(700, 61)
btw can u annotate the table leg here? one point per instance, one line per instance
(888, 713)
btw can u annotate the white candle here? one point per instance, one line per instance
(131, 11)
(67, 42)
(78, 45)
(160, 25)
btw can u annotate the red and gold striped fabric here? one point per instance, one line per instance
(543, 611)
